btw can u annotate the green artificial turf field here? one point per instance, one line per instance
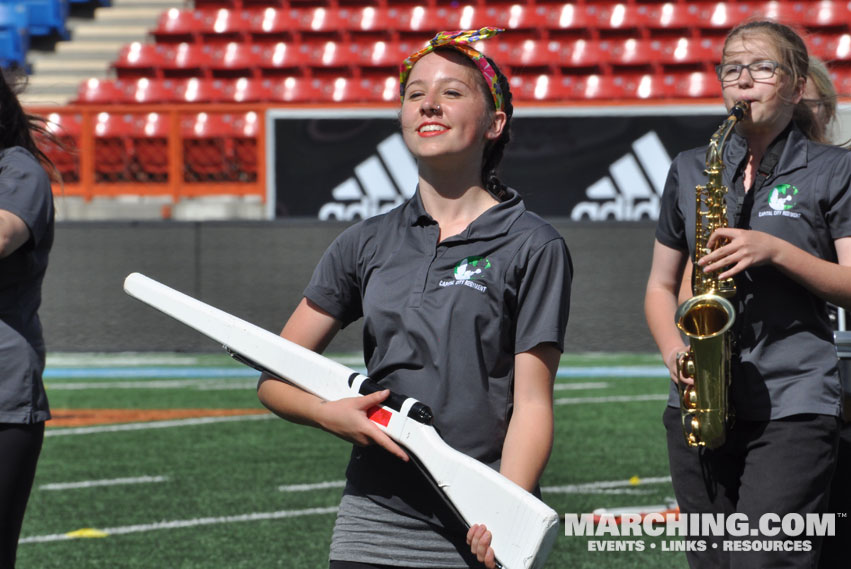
(254, 491)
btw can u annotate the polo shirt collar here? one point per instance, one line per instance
(794, 154)
(492, 223)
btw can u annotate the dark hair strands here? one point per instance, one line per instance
(20, 128)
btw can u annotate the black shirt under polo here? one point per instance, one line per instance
(442, 321)
(786, 362)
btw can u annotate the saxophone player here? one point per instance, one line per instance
(788, 248)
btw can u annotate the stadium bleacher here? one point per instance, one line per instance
(239, 55)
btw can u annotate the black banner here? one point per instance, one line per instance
(582, 167)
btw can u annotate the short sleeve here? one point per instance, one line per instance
(335, 284)
(670, 229)
(543, 297)
(25, 191)
(838, 214)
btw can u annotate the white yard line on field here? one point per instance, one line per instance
(178, 524)
(611, 399)
(597, 487)
(110, 482)
(578, 386)
(59, 432)
(201, 384)
(314, 486)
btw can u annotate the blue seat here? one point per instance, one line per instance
(45, 17)
(14, 35)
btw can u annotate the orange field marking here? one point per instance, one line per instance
(88, 417)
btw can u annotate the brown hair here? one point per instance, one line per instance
(795, 58)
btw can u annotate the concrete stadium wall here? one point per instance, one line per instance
(257, 271)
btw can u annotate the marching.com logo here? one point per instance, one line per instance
(771, 532)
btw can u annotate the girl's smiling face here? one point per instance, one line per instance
(447, 111)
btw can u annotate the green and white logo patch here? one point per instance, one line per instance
(782, 201)
(471, 268)
(782, 197)
(467, 271)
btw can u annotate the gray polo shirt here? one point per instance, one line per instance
(25, 191)
(786, 362)
(443, 321)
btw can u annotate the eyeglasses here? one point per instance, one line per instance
(759, 70)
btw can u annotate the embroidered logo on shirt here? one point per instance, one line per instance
(467, 270)
(781, 200)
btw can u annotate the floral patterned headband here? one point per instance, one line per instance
(461, 41)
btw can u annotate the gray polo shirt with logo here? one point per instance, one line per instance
(786, 362)
(25, 191)
(442, 323)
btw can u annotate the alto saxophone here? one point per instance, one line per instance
(706, 318)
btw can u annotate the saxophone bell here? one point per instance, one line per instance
(704, 405)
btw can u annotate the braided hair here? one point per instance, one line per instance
(495, 149)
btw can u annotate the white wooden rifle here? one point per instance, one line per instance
(523, 527)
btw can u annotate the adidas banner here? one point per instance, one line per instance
(353, 165)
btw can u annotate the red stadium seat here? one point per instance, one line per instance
(688, 51)
(223, 25)
(102, 92)
(245, 131)
(141, 60)
(66, 127)
(188, 60)
(569, 18)
(283, 58)
(620, 17)
(178, 26)
(113, 148)
(272, 25)
(250, 90)
(197, 90)
(631, 53)
(583, 54)
(415, 21)
(380, 58)
(360, 90)
(530, 21)
(534, 87)
(674, 15)
(368, 23)
(827, 14)
(207, 146)
(146, 90)
(329, 57)
(299, 90)
(834, 47)
(528, 54)
(150, 147)
(694, 85)
(318, 23)
(237, 60)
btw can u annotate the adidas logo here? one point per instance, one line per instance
(632, 191)
(381, 182)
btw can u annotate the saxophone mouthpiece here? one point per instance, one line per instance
(740, 109)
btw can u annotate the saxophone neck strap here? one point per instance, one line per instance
(744, 199)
